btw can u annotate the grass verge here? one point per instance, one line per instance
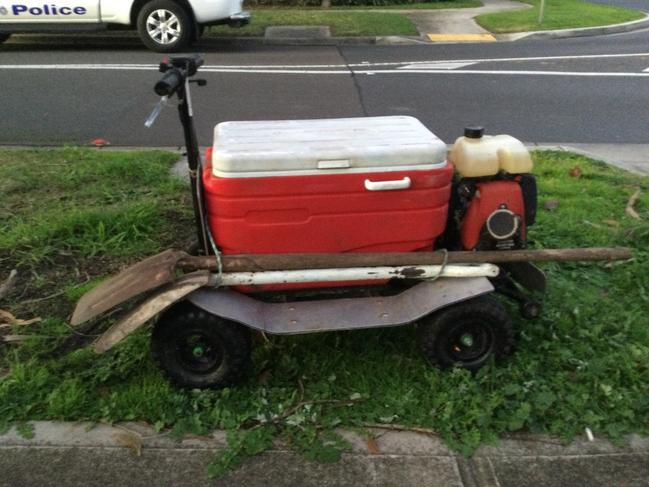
(398, 6)
(342, 23)
(559, 14)
(582, 364)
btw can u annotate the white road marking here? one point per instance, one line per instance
(524, 73)
(519, 59)
(439, 65)
(277, 71)
(310, 67)
(344, 72)
(417, 67)
(126, 67)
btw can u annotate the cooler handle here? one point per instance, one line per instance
(387, 185)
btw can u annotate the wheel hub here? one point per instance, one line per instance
(467, 340)
(199, 352)
(470, 342)
(163, 26)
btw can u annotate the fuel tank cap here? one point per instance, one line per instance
(474, 132)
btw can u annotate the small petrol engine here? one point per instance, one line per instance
(493, 197)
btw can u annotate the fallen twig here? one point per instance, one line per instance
(595, 225)
(6, 318)
(399, 427)
(15, 338)
(629, 210)
(8, 284)
(38, 300)
(281, 418)
(531, 438)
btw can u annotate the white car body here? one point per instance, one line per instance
(104, 11)
(24, 16)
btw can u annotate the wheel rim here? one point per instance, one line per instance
(470, 342)
(163, 26)
(199, 352)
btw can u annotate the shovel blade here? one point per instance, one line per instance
(160, 301)
(144, 276)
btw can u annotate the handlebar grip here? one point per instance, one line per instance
(169, 83)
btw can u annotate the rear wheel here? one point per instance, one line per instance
(196, 349)
(4, 37)
(165, 26)
(467, 334)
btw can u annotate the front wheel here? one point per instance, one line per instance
(165, 26)
(196, 349)
(467, 334)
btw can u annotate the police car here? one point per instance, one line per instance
(163, 25)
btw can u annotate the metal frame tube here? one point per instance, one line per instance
(354, 274)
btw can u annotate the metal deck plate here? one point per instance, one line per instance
(339, 314)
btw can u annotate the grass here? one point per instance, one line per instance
(582, 364)
(71, 206)
(399, 6)
(421, 6)
(342, 23)
(559, 14)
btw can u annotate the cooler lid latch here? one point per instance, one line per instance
(334, 164)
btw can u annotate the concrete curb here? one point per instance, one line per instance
(325, 41)
(582, 32)
(134, 454)
(84, 434)
(306, 41)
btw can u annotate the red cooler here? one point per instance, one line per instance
(378, 184)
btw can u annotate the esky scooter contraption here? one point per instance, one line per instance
(338, 224)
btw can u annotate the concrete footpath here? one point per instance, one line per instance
(80, 454)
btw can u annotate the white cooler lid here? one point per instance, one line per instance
(324, 146)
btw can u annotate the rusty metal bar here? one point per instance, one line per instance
(272, 262)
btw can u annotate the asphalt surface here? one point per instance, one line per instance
(567, 100)
(635, 4)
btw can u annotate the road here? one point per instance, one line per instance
(635, 4)
(586, 90)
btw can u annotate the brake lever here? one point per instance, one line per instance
(156, 111)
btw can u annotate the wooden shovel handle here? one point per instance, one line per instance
(270, 262)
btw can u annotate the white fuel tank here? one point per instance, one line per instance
(478, 155)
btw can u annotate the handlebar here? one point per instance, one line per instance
(169, 83)
(176, 71)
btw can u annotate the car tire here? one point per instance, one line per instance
(4, 37)
(467, 334)
(165, 26)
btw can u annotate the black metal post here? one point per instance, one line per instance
(193, 160)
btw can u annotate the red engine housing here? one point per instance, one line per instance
(489, 197)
